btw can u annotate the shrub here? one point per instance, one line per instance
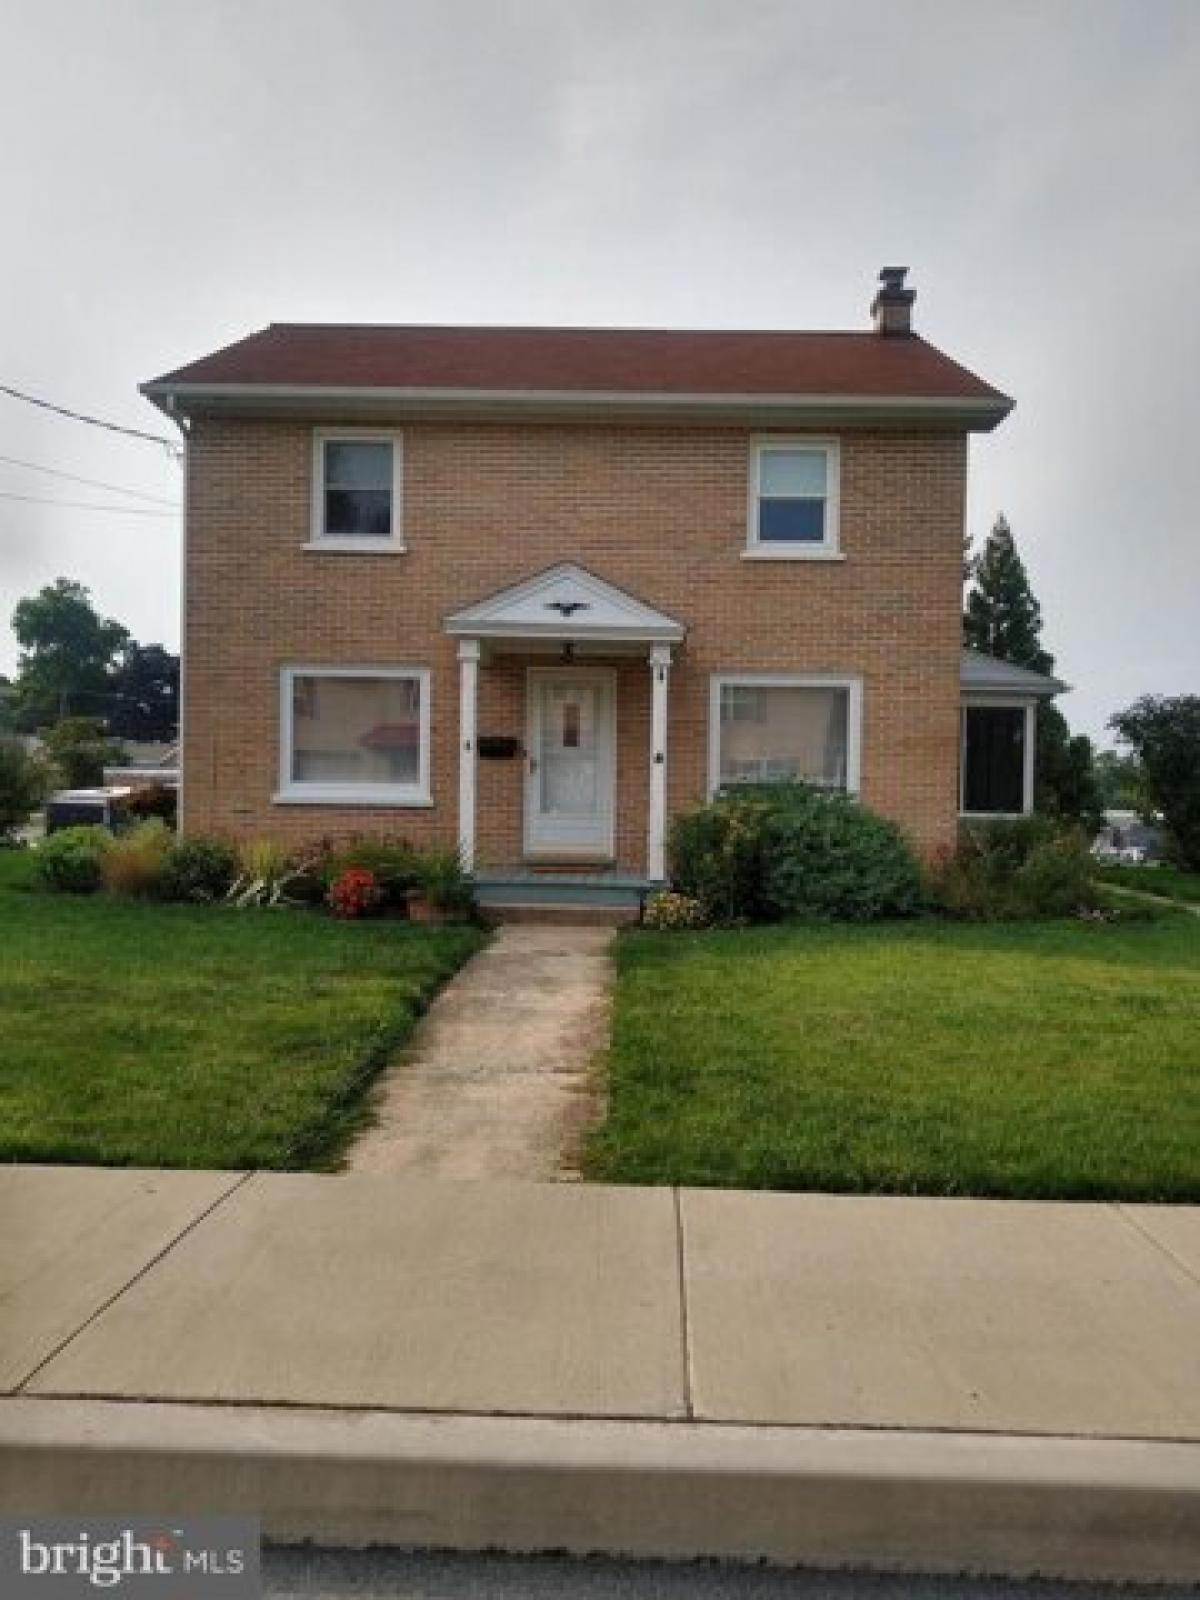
(200, 870)
(717, 855)
(667, 911)
(268, 873)
(135, 862)
(354, 893)
(443, 881)
(829, 857)
(153, 800)
(791, 851)
(1006, 870)
(69, 861)
(395, 866)
(23, 785)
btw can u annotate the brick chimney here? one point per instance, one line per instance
(892, 305)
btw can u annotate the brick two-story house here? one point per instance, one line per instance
(536, 589)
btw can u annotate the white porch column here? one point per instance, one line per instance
(468, 715)
(660, 671)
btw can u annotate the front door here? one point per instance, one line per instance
(571, 765)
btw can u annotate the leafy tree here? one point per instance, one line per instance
(145, 693)
(1164, 735)
(23, 785)
(80, 750)
(1064, 775)
(1003, 619)
(68, 652)
(1119, 780)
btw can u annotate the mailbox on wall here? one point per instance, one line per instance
(498, 747)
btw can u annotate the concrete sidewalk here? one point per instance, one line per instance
(728, 1348)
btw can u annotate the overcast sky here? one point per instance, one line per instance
(176, 175)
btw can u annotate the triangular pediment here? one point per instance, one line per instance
(564, 602)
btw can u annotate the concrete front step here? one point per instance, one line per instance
(564, 916)
(1111, 1510)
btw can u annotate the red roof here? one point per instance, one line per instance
(588, 360)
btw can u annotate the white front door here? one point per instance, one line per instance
(571, 765)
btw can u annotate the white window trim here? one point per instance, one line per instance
(789, 680)
(778, 549)
(999, 703)
(291, 792)
(355, 544)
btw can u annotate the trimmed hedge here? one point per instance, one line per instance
(781, 851)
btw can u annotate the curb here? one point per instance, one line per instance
(988, 1504)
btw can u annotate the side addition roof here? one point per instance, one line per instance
(983, 674)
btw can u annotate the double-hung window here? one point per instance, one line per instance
(356, 490)
(354, 735)
(784, 728)
(794, 496)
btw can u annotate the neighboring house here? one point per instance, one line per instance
(1126, 836)
(536, 590)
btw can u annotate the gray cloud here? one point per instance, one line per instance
(174, 176)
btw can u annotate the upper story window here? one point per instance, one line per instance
(356, 490)
(793, 511)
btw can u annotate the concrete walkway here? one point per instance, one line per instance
(497, 1082)
(939, 1383)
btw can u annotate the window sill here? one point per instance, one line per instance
(357, 547)
(386, 798)
(791, 553)
(993, 816)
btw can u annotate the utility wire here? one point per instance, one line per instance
(92, 483)
(87, 505)
(95, 422)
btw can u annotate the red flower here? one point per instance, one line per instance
(354, 893)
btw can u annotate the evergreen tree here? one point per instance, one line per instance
(1003, 619)
(1002, 616)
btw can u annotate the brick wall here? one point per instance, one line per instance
(660, 511)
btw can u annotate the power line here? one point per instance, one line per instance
(92, 483)
(87, 505)
(81, 416)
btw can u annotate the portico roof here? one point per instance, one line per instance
(569, 603)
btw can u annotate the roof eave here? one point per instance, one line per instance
(978, 414)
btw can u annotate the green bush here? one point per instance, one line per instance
(23, 785)
(200, 870)
(717, 855)
(70, 861)
(1010, 870)
(135, 863)
(829, 857)
(790, 851)
(442, 879)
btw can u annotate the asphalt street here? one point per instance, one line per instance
(396, 1575)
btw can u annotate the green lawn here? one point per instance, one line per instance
(193, 1036)
(1058, 1060)
(1169, 881)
